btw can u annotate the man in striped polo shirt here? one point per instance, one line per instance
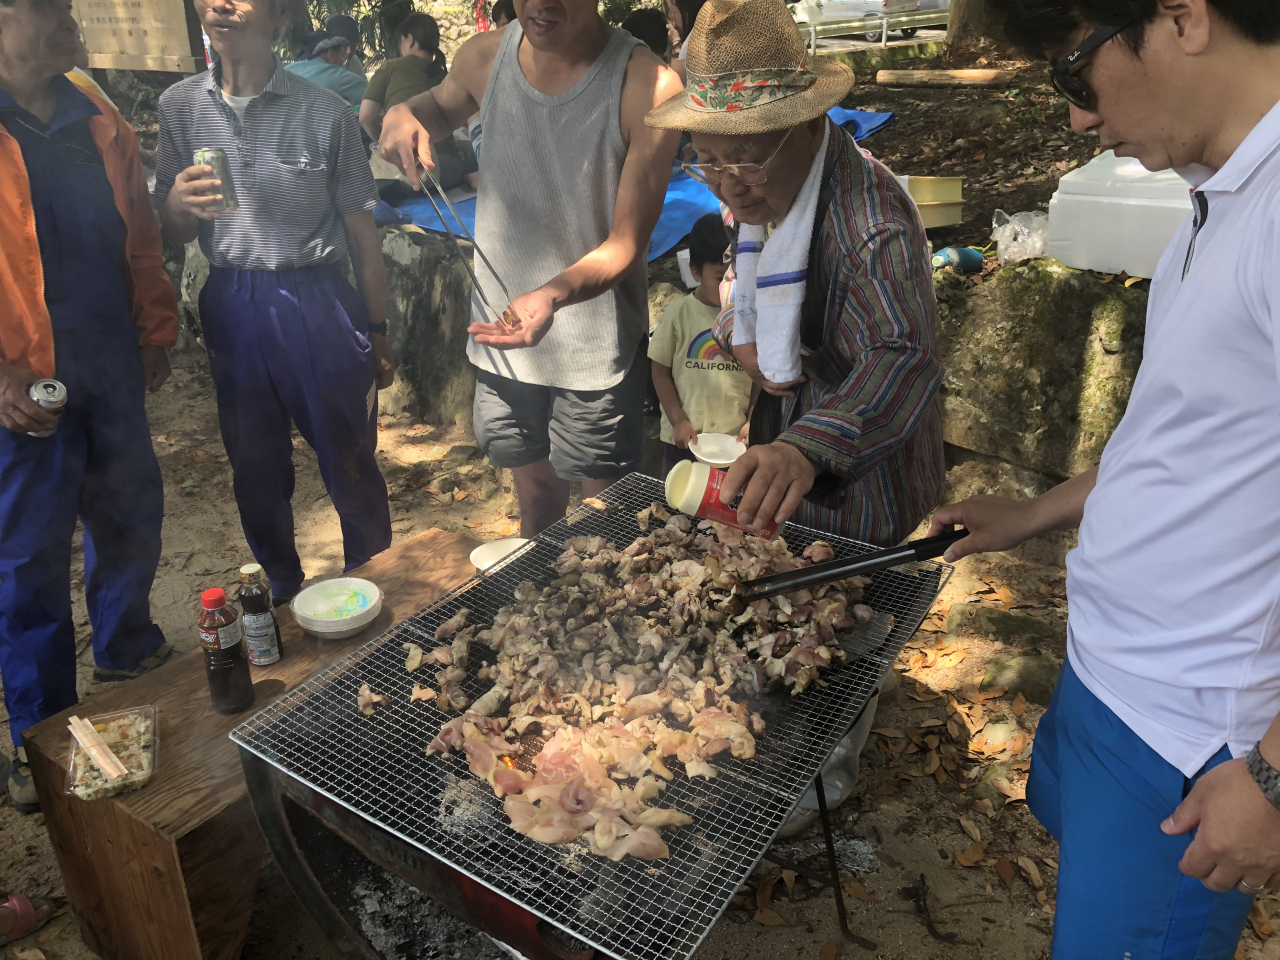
(846, 434)
(288, 337)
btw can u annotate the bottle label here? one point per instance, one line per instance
(712, 509)
(260, 633)
(222, 638)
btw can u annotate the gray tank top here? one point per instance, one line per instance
(549, 175)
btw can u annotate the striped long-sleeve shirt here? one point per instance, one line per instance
(869, 415)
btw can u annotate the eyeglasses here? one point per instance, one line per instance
(1077, 92)
(751, 174)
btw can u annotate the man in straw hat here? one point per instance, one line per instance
(830, 304)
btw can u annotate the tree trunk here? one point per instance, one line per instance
(972, 20)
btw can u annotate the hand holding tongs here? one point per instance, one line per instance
(498, 314)
(819, 573)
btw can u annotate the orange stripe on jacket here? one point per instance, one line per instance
(26, 333)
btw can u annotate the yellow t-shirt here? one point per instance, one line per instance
(713, 389)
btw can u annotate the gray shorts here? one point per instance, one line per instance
(586, 434)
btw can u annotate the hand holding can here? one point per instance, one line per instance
(198, 191)
(51, 396)
(18, 411)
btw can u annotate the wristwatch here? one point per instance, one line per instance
(1264, 775)
(380, 328)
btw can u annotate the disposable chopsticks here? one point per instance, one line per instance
(97, 748)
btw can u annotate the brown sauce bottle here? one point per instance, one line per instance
(225, 661)
(261, 630)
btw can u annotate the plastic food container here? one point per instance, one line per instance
(717, 449)
(337, 608)
(487, 554)
(132, 736)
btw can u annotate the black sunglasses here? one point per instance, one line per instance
(1077, 92)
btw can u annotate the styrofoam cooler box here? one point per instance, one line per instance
(1114, 215)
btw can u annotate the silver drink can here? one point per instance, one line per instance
(48, 395)
(217, 159)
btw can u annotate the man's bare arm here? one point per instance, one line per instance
(641, 190)
(408, 128)
(997, 523)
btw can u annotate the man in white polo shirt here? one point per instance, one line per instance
(1145, 766)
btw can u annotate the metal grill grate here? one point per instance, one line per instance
(633, 910)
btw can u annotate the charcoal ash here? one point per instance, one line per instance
(403, 923)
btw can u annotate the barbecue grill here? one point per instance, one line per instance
(368, 781)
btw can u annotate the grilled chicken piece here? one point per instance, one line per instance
(453, 624)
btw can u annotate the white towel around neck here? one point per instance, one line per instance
(770, 276)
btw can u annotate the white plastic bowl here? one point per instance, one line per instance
(337, 608)
(487, 554)
(717, 449)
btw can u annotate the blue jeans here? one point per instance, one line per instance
(1103, 793)
(291, 345)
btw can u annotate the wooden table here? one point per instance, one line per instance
(168, 872)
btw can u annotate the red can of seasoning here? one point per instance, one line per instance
(694, 488)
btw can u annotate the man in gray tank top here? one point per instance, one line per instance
(572, 182)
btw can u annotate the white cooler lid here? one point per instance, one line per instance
(1107, 175)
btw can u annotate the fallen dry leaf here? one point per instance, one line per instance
(1051, 863)
(933, 722)
(1004, 870)
(473, 526)
(1260, 920)
(509, 529)
(421, 693)
(970, 855)
(1032, 871)
(48, 935)
(414, 660)
(888, 787)
(764, 893)
(855, 889)
(932, 762)
(367, 700)
(769, 918)
(893, 732)
(828, 951)
(973, 694)
(28, 953)
(923, 693)
(1019, 704)
(459, 495)
(789, 878)
(971, 828)
(950, 660)
(985, 807)
(1014, 791)
(1041, 896)
(1004, 596)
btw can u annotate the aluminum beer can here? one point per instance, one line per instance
(48, 395)
(217, 159)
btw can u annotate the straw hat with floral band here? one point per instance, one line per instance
(749, 73)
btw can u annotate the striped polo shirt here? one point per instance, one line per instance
(297, 163)
(868, 416)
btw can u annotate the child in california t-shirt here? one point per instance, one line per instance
(701, 388)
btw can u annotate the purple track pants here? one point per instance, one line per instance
(291, 345)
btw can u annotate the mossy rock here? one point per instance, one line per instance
(986, 789)
(1003, 625)
(1038, 362)
(1034, 675)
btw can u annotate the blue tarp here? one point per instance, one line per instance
(860, 123)
(686, 201)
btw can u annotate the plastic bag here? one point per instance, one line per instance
(1024, 236)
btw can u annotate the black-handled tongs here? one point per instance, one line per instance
(819, 573)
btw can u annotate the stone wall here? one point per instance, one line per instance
(457, 24)
(1039, 363)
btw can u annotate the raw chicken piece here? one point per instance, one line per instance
(644, 843)
(646, 704)
(819, 551)
(449, 738)
(414, 660)
(367, 700)
(421, 693)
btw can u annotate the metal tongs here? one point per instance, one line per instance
(498, 314)
(819, 573)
